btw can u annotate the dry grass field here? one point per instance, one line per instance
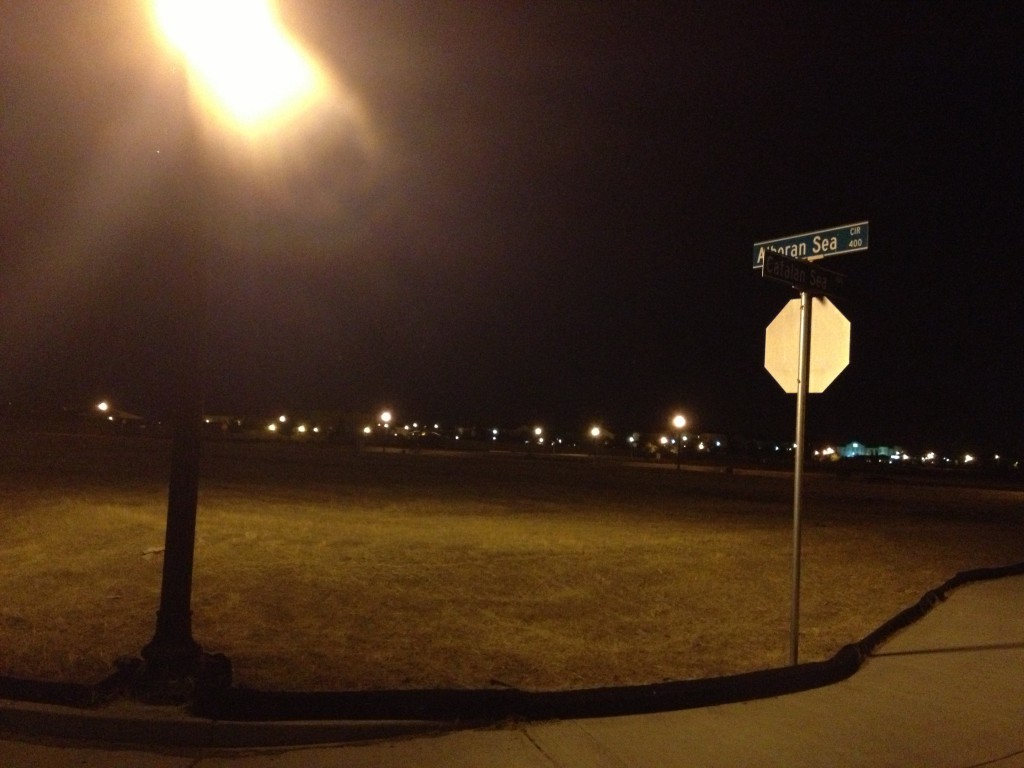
(317, 569)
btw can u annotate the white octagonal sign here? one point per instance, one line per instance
(830, 345)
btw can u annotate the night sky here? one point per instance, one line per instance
(533, 212)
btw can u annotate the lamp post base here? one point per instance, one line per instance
(175, 672)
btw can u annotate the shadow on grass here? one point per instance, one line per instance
(226, 703)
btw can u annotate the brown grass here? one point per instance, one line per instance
(320, 570)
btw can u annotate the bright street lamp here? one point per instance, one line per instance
(247, 70)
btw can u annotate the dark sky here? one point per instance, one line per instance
(546, 213)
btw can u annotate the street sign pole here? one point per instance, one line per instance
(804, 368)
(785, 259)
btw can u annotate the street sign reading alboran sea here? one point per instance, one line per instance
(816, 245)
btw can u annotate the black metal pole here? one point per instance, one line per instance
(173, 653)
(173, 659)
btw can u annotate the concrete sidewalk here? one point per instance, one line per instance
(946, 691)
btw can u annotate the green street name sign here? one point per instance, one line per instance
(799, 274)
(810, 246)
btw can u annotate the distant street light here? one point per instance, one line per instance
(679, 421)
(595, 432)
(385, 419)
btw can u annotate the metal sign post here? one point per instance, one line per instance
(798, 468)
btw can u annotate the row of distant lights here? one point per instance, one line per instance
(666, 441)
(595, 431)
(385, 418)
(678, 421)
(282, 420)
(929, 458)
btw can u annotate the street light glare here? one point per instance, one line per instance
(243, 58)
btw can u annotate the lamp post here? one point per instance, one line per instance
(679, 421)
(385, 420)
(595, 432)
(264, 75)
(537, 440)
(173, 659)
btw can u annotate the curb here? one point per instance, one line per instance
(491, 706)
(174, 727)
(233, 717)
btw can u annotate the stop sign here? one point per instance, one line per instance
(830, 345)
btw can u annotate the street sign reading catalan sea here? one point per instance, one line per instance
(816, 245)
(802, 275)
